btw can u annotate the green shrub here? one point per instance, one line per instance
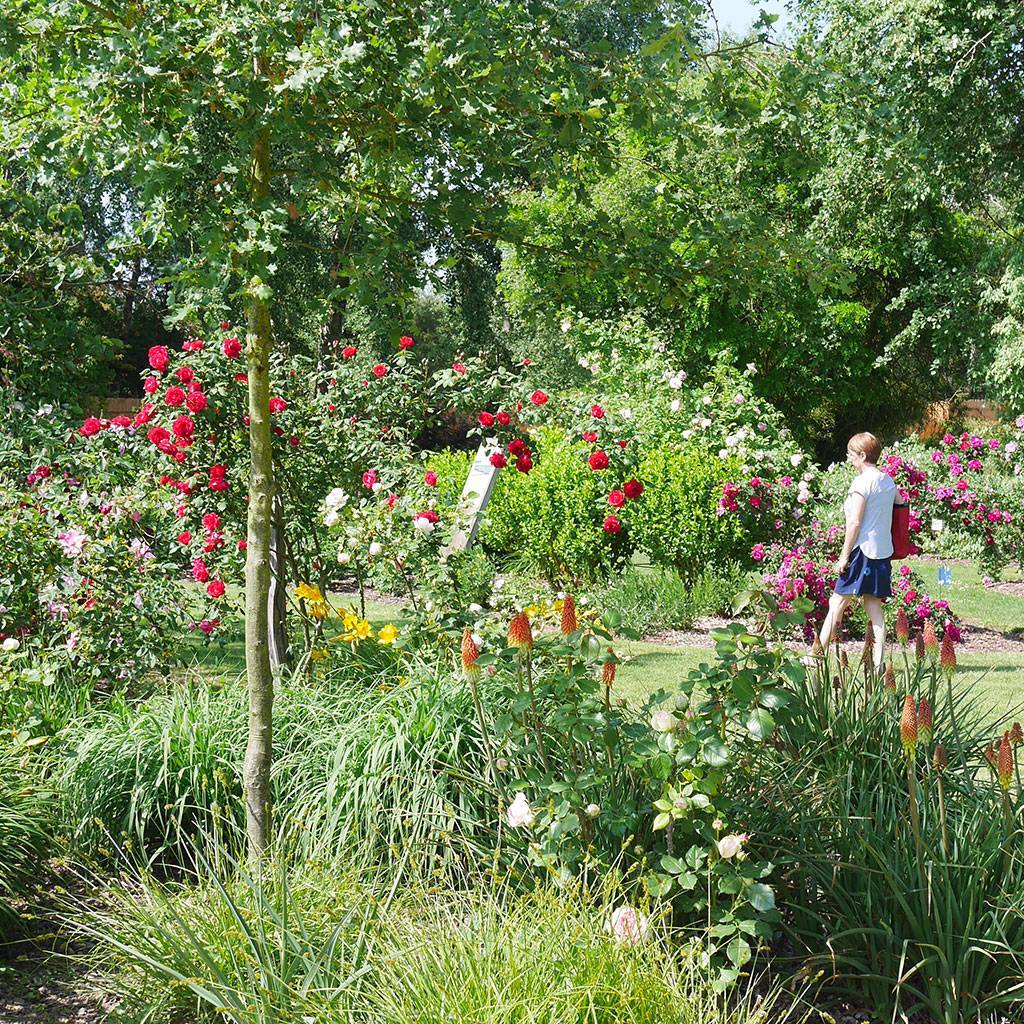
(25, 828)
(675, 520)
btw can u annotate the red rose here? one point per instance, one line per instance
(524, 463)
(242, 378)
(199, 571)
(504, 419)
(405, 342)
(194, 345)
(598, 460)
(277, 431)
(589, 436)
(232, 348)
(597, 412)
(612, 525)
(349, 351)
(633, 489)
(185, 374)
(485, 419)
(207, 626)
(151, 385)
(459, 368)
(430, 478)
(121, 421)
(158, 357)
(144, 415)
(380, 370)
(498, 460)
(211, 521)
(539, 398)
(616, 499)
(90, 427)
(242, 545)
(225, 326)
(622, 444)
(517, 447)
(278, 405)
(183, 426)
(174, 396)
(158, 436)
(369, 478)
(293, 441)
(215, 588)
(184, 538)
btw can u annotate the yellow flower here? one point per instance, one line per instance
(308, 592)
(319, 653)
(350, 619)
(387, 634)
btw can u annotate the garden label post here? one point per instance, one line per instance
(476, 492)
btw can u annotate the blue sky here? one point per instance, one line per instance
(739, 15)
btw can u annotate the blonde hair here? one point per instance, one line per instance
(867, 445)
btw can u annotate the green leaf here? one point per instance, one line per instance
(760, 724)
(739, 951)
(661, 821)
(761, 897)
(714, 751)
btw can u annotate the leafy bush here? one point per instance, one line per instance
(676, 520)
(25, 827)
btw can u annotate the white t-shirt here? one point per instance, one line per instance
(880, 494)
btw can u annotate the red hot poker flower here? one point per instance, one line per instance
(902, 627)
(569, 623)
(470, 653)
(931, 641)
(924, 721)
(1004, 764)
(947, 654)
(908, 726)
(520, 634)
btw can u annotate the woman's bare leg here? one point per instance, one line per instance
(837, 605)
(876, 616)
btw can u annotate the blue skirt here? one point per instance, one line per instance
(866, 576)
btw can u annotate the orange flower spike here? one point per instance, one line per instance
(890, 677)
(1016, 734)
(931, 641)
(608, 669)
(520, 634)
(924, 721)
(947, 655)
(1004, 764)
(941, 759)
(990, 756)
(902, 627)
(569, 623)
(919, 647)
(470, 653)
(908, 727)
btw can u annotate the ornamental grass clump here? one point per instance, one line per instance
(906, 886)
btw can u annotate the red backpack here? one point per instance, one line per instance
(901, 543)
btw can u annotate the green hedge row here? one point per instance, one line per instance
(550, 521)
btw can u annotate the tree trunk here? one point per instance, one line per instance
(258, 346)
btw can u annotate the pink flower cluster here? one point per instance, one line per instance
(919, 606)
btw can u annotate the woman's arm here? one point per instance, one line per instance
(855, 505)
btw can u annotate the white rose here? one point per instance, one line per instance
(566, 325)
(729, 846)
(593, 810)
(737, 399)
(519, 812)
(375, 549)
(475, 608)
(723, 453)
(663, 721)
(626, 414)
(687, 434)
(423, 524)
(344, 558)
(675, 383)
(795, 460)
(11, 644)
(336, 499)
(331, 518)
(376, 488)
(706, 399)
(676, 405)
(628, 926)
(705, 423)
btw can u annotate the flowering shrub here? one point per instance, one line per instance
(582, 780)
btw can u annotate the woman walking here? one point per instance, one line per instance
(864, 566)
